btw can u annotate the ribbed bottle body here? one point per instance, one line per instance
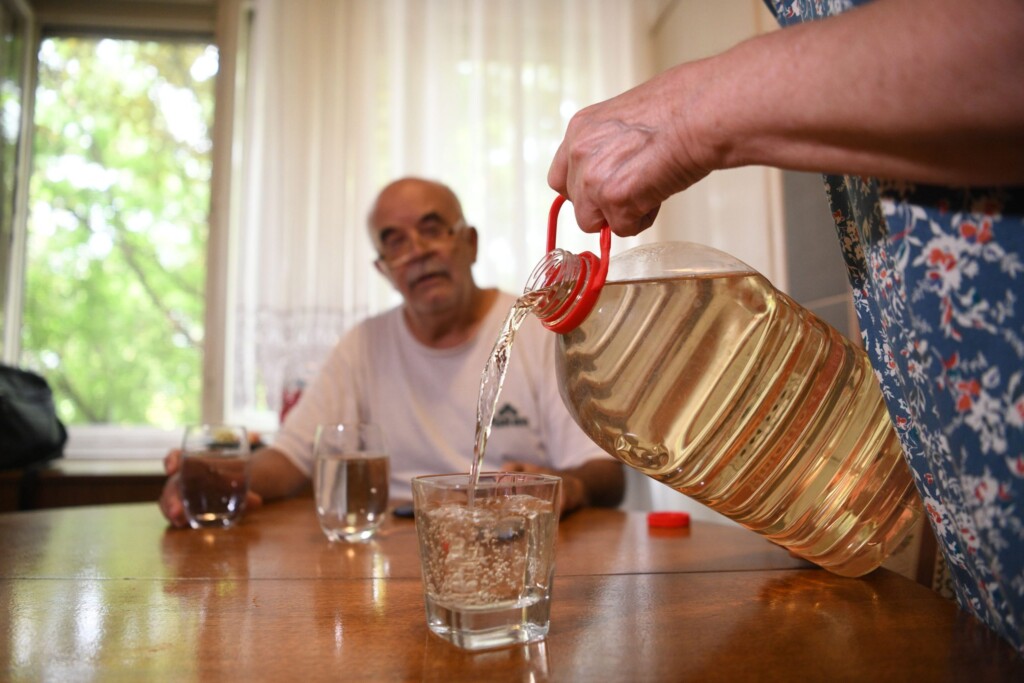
(731, 393)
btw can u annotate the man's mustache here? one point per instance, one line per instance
(422, 269)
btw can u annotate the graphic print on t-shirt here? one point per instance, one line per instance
(508, 416)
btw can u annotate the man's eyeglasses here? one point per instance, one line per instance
(397, 245)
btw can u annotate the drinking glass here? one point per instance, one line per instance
(350, 480)
(214, 477)
(488, 555)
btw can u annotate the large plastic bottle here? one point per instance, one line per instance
(692, 368)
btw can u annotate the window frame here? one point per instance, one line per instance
(13, 269)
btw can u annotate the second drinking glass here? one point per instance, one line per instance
(214, 478)
(350, 480)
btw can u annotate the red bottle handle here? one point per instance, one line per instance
(584, 295)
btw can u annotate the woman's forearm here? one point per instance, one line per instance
(926, 90)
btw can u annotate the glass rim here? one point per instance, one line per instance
(330, 429)
(347, 424)
(234, 453)
(215, 425)
(207, 432)
(459, 481)
(350, 455)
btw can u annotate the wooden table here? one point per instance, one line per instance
(109, 593)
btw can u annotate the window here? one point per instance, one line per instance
(117, 230)
(115, 271)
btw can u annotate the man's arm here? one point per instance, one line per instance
(274, 475)
(598, 482)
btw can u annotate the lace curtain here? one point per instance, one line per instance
(345, 95)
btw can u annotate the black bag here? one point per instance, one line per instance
(30, 431)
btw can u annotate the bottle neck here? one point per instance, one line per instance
(559, 283)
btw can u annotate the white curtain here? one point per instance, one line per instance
(344, 96)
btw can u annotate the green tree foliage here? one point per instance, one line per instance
(120, 197)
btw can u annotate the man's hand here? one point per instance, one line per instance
(574, 493)
(170, 500)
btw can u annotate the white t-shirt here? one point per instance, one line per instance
(425, 400)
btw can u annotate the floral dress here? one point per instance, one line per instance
(938, 278)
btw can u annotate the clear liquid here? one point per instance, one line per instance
(351, 495)
(488, 569)
(729, 392)
(213, 488)
(493, 378)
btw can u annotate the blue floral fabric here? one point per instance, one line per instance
(937, 274)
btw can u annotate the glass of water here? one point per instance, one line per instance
(350, 480)
(214, 477)
(487, 551)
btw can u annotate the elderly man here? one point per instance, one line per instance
(416, 371)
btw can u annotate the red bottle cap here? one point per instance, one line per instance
(668, 520)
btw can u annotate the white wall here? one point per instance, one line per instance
(736, 210)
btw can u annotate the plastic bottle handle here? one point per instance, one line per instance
(584, 295)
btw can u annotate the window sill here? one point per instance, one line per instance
(108, 442)
(120, 443)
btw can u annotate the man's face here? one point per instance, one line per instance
(426, 251)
